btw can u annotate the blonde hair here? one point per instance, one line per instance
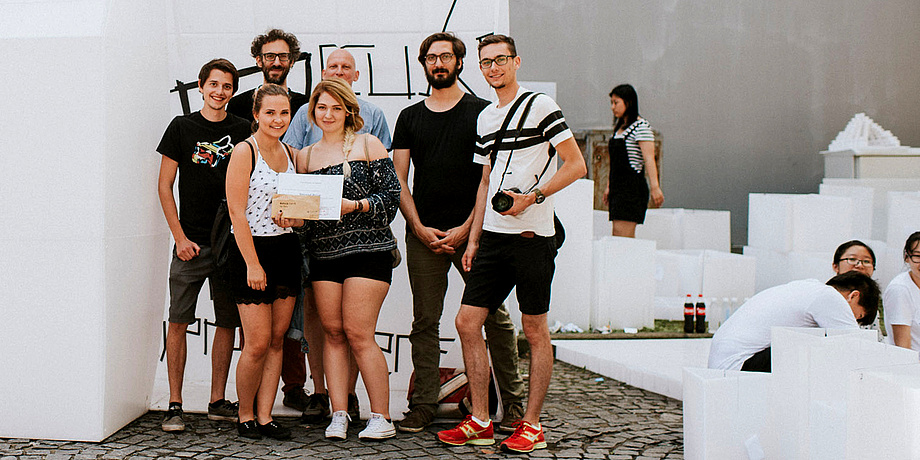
(341, 92)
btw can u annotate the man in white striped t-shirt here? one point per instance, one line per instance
(512, 244)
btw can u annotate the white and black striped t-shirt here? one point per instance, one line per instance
(543, 127)
(638, 131)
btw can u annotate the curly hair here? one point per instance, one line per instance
(274, 35)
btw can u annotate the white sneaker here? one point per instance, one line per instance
(338, 429)
(378, 428)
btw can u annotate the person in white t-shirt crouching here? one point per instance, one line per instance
(743, 342)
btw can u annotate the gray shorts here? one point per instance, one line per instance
(185, 281)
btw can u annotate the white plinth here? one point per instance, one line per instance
(83, 240)
(872, 162)
(722, 411)
(624, 283)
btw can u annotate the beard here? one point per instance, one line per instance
(444, 78)
(266, 72)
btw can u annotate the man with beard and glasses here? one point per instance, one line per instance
(276, 52)
(438, 137)
(301, 133)
(341, 64)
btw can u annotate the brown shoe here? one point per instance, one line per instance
(514, 412)
(416, 419)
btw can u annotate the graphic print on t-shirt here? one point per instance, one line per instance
(211, 153)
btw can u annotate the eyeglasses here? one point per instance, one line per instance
(915, 258)
(864, 262)
(446, 58)
(270, 57)
(501, 59)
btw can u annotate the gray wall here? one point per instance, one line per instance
(745, 93)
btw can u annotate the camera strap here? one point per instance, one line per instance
(501, 133)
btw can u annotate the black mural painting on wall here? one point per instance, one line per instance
(394, 340)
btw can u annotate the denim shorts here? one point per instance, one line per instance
(185, 280)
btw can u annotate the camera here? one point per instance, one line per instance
(502, 201)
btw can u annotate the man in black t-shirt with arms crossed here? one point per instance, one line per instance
(438, 136)
(197, 147)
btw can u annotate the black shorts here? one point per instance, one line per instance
(504, 261)
(628, 197)
(281, 259)
(371, 265)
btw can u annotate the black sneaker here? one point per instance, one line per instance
(249, 429)
(296, 399)
(416, 419)
(223, 410)
(275, 431)
(173, 421)
(317, 408)
(354, 410)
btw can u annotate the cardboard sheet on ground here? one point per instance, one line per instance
(309, 196)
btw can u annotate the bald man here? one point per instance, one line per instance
(340, 64)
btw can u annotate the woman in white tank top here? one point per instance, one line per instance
(265, 265)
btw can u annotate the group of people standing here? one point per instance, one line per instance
(332, 276)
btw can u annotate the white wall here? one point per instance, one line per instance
(81, 242)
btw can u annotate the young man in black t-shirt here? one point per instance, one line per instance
(275, 53)
(197, 147)
(438, 136)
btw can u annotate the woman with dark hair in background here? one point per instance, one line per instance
(902, 299)
(632, 157)
(265, 261)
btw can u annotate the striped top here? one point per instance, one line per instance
(638, 131)
(263, 184)
(544, 128)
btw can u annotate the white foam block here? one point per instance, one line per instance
(880, 201)
(770, 219)
(810, 265)
(677, 228)
(663, 226)
(707, 229)
(903, 216)
(602, 225)
(571, 291)
(722, 409)
(884, 412)
(809, 365)
(624, 283)
(820, 223)
(863, 200)
(771, 267)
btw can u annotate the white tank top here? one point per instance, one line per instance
(263, 184)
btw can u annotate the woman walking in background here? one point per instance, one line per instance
(632, 157)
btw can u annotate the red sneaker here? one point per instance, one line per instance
(525, 439)
(469, 432)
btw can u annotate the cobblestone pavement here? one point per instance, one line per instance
(583, 418)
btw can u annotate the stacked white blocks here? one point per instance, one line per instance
(714, 274)
(677, 228)
(801, 409)
(794, 236)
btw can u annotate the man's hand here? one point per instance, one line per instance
(187, 250)
(430, 236)
(521, 202)
(469, 255)
(453, 239)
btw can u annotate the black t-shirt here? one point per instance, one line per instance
(241, 104)
(441, 146)
(202, 149)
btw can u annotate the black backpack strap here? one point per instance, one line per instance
(500, 134)
(252, 150)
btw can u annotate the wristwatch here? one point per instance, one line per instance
(540, 196)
